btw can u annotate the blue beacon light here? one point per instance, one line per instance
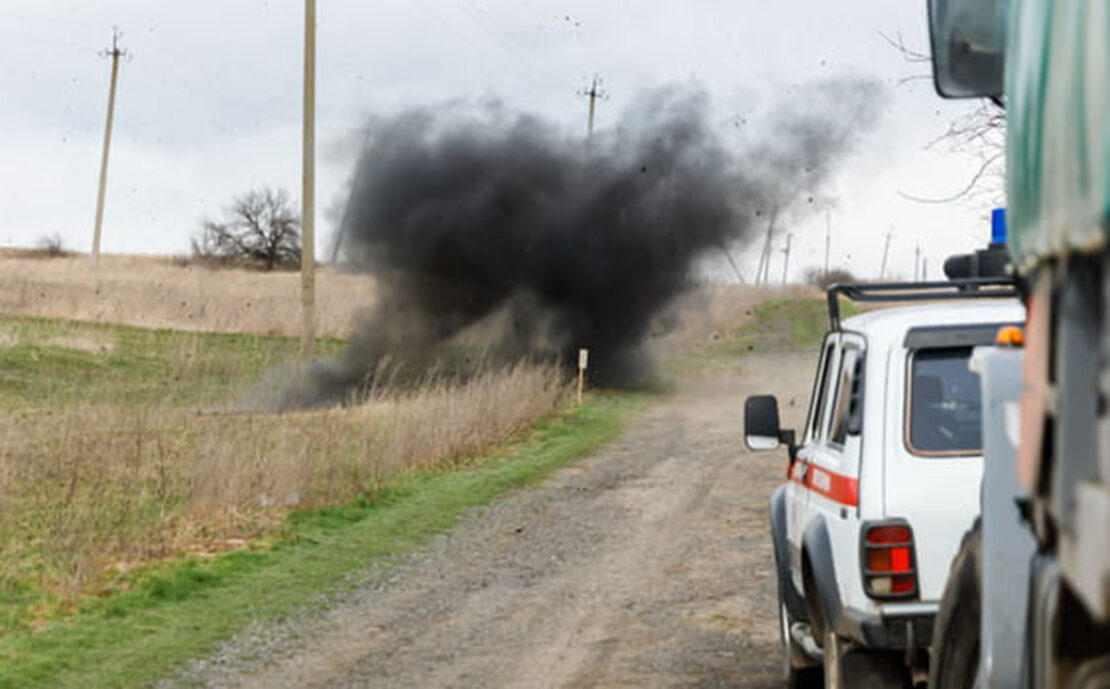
(998, 226)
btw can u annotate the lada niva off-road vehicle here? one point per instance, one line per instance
(882, 481)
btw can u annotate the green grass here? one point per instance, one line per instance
(132, 366)
(789, 322)
(178, 611)
(792, 322)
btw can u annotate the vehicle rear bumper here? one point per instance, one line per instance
(898, 626)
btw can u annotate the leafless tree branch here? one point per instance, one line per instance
(908, 54)
(979, 174)
(979, 132)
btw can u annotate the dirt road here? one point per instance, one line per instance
(645, 565)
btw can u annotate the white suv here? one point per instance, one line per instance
(884, 481)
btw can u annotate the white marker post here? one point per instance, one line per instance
(583, 363)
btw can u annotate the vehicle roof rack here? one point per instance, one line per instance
(968, 288)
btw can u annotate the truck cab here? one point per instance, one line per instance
(1048, 65)
(882, 481)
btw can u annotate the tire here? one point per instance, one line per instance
(849, 667)
(954, 657)
(798, 669)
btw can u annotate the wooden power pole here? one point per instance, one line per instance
(593, 94)
(308, 187)
(828, 241)
(886, 250)
(786, 257)
(763, 271)
(115, 54)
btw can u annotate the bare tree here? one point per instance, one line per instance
(979, 133)
(50, 246)
(261, 227)
(817, 276)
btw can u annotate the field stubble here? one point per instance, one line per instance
(108, 464)
(163, 292)
(89, 491)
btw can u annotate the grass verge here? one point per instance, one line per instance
(48, 361)
(790, 322)
(175, 612)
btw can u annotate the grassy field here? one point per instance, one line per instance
(168, 292)
(108, 461)
(167, 614)
(133, 506)
(53, 362)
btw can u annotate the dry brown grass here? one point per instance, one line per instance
(162, 292)
(84, 489)
(88, 488)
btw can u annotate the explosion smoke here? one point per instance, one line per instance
(464, 214)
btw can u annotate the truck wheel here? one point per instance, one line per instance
(847, 667)
(797, 668)
(954, 661)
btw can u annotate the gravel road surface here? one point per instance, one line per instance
(647, 564)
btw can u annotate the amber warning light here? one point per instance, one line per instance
(1010, 336)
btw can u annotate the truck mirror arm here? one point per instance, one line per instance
(788, 437)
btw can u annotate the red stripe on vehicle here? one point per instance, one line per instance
(836, 487)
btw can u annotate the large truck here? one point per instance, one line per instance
(1048, 64)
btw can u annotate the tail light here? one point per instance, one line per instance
(887, 560)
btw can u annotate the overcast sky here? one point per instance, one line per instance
(209, 103)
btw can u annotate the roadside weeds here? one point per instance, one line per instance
(177, 611)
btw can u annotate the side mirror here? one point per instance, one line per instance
(761, 422)
(968, 46)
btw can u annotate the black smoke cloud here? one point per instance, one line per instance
(466, 213)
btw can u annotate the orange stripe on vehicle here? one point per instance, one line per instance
(836, 487)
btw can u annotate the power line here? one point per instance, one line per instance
(731, 262)
(505, 57)
(508, 39)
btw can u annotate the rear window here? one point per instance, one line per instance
(944, 411)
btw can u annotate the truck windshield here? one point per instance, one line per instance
(944, 411)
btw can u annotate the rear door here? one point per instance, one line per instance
(934, 455)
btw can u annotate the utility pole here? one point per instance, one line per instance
(308, 187)
(886, 250)
(916, 262)
(762, 273)
(115, 53)
(593, 94)
(786, 257)
(828, 241)
(341, 234)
